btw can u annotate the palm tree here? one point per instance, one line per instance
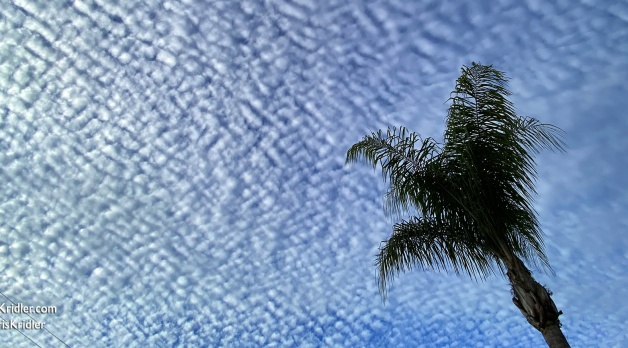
(473, 195)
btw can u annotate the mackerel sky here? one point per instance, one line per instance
(172, 172)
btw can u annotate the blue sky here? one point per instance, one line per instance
(172, 172)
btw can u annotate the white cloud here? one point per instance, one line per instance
(172, 173)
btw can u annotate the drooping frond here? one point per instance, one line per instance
(536, 136)
(397, 153)
(424, 243)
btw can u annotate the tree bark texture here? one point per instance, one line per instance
(535, 303)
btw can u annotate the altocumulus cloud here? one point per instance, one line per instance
(172, 171)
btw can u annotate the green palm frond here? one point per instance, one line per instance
(424, 243)
(397, 153)
(394, 151)
(536, 136)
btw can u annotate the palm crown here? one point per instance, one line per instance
(473, 193)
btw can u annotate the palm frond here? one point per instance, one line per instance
(536, 136)
(424, 243)
(397, 153)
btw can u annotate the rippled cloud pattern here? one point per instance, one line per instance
(172, 172)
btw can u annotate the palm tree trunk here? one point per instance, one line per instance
(535, 303)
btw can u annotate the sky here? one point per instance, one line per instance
(172, 172)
